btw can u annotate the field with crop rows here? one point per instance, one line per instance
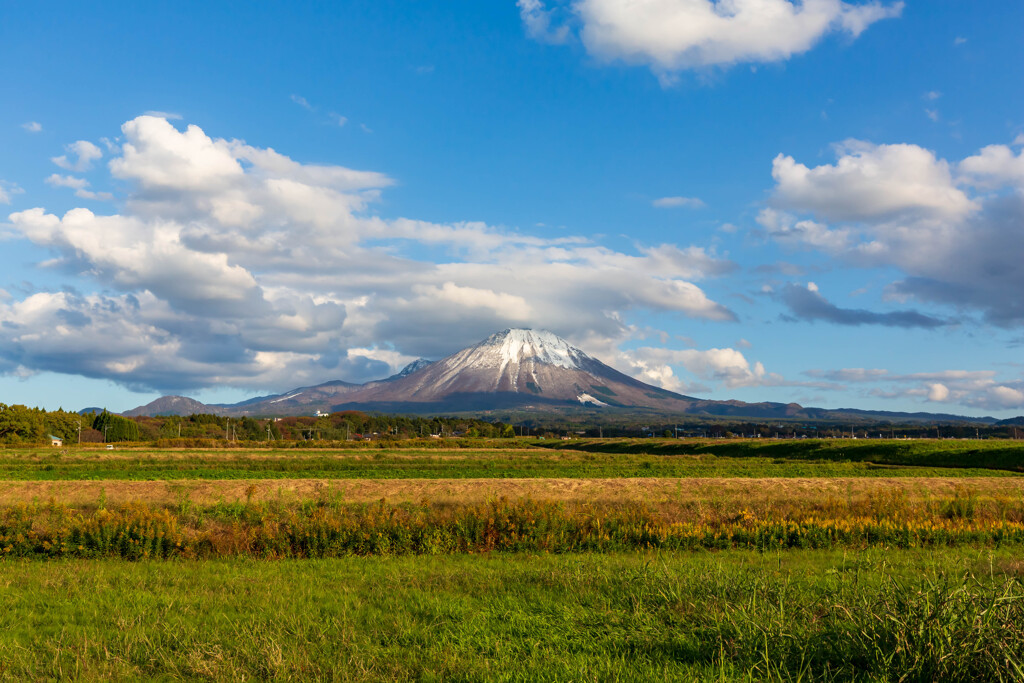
(614, 559)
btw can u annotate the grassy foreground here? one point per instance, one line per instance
(737, 615)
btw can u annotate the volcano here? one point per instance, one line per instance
(516, 368)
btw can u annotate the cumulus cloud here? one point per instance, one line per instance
(807, 303)
(976, 388)
(952, 228)
(84, 152)
(870, 182)
(32, 126)
(938, 392)
(994, 167)
(237, 265)
(670, 36)
(658, 365)
(675, 202)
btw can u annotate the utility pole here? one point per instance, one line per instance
(79, 432)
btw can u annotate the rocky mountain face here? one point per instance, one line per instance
(515, 368)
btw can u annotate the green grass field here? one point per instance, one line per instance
(583, 459)
(608, 560)
(876, 615)
(951, 453)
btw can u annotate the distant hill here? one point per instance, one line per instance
(91, 411)
(524, 370)
(171, 405)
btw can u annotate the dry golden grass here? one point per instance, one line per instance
(656, 491)
(93, 453)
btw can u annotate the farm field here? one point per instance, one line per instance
(593, 560)
(580, 459)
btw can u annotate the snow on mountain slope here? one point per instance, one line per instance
(536, 365)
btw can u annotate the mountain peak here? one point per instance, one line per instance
(515, 345)
(414, 366)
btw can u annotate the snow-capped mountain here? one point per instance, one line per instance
(515, 368)
(518, 366)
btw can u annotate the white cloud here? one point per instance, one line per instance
(57, 180)
(6, 190)
(675, 35)
(850, 374)
(79, 185)
(783, 228)
(951, 228)
(1007, 397)
(538, 23)
(674, 202)
(237, 265)
(86, 153)
(338, 119)
(995, 166)
(959, 40)
(938, 392)
(32, 126)
(302, 102)
(656, 365)
(870, 182)
(975, 388)
(164, 115)
(932, 114)
(507, 305)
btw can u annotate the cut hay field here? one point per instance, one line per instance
(581, 560)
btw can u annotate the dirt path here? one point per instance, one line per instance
(652, 490)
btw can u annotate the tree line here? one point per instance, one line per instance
(20, 424)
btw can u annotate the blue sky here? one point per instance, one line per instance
(818, 202)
